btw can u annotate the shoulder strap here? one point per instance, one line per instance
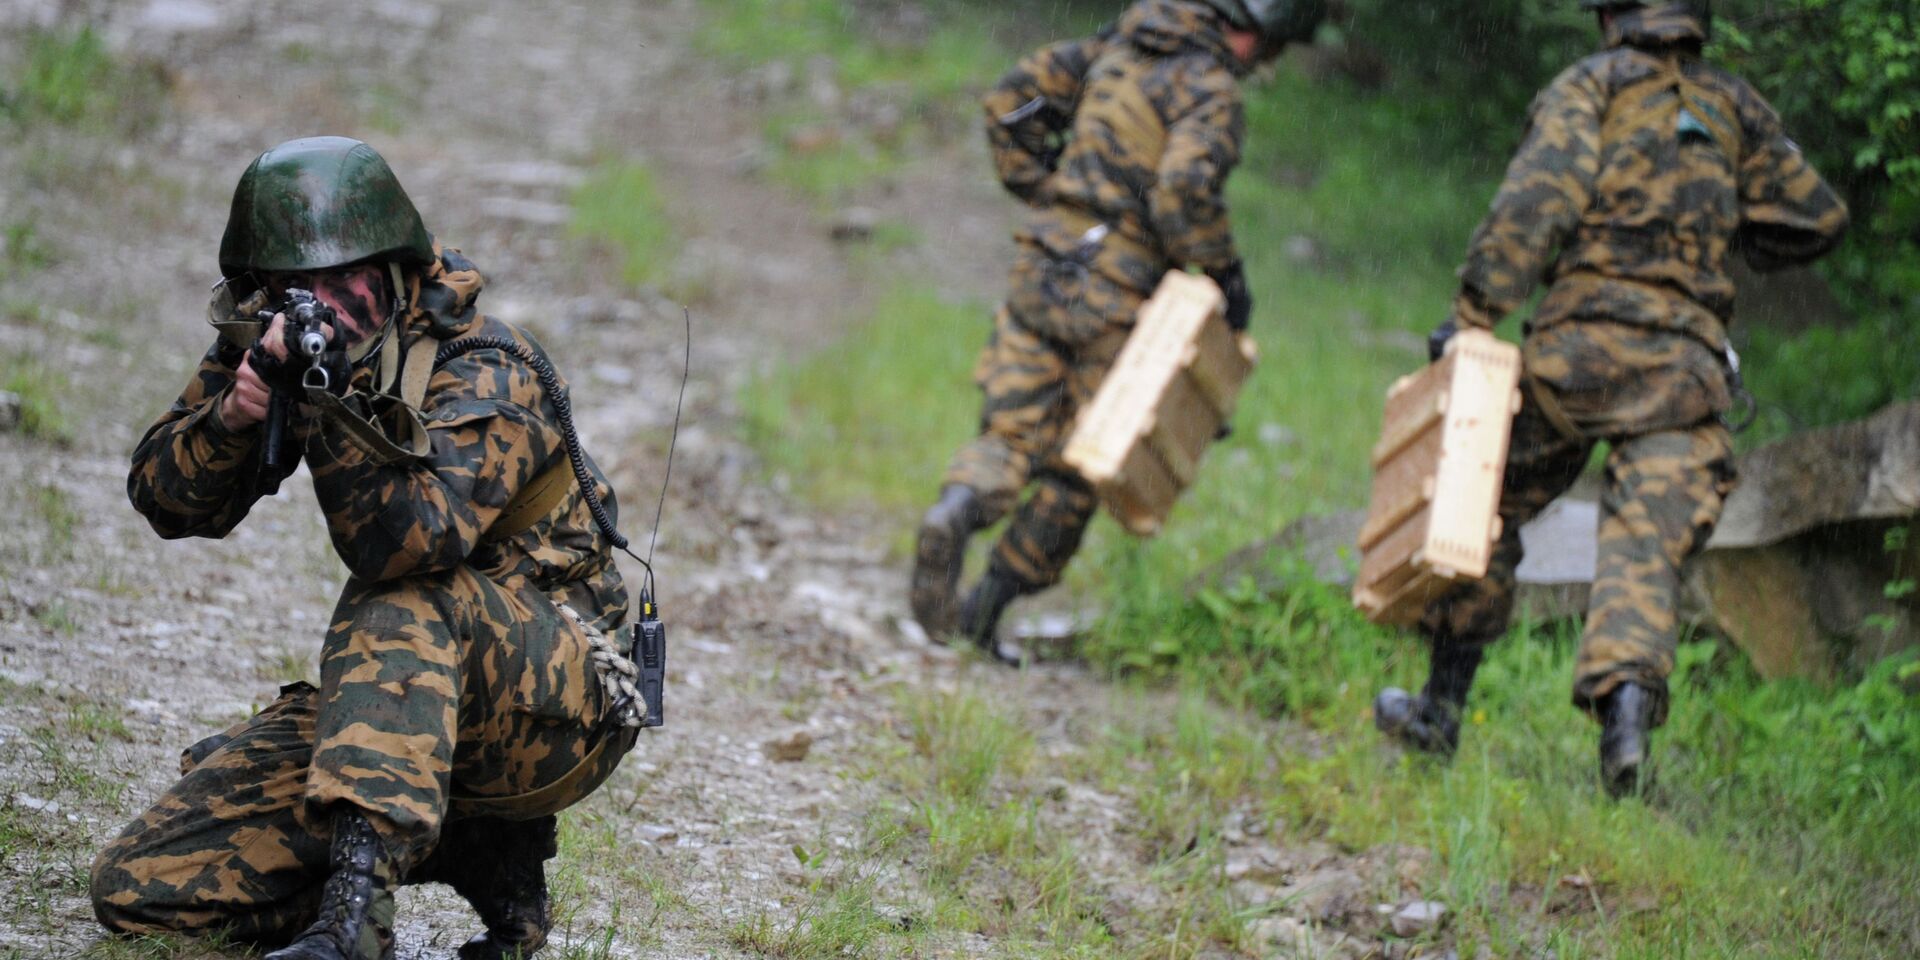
(534, 501)
(417, 370)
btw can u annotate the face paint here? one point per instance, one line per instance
(359, 296)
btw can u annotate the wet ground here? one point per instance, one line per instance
(788, 624)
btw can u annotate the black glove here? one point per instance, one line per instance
(1437, 340)
(1233, 282)
(280, 374)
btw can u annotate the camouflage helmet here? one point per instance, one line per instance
(1701, 10)
(1277, 22)
(316, 203)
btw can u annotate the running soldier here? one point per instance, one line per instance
(1642, 168)
(458, 708)
(1121, 143)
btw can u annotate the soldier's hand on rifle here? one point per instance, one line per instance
(1233, 282)
(246, 404)
(274, 360)
(1437, 340)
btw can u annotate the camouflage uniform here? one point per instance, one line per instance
(1151, 115)
(449, 673)
(1642, 167)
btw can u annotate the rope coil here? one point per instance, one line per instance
(617, 674)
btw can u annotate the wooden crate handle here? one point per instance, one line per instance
(1409, 431)
(1378, 528)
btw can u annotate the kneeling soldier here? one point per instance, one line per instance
(1642, 167)
(1122, 143)
(458, 706)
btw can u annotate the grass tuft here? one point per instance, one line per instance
(41, 389)
(619, 206)
(68, 77)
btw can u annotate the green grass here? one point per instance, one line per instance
(1807, 801)
(619, 207)
(875, 422)
(1783, 821)
(23, 250)
(41, 389)
(67, 77)
(917, 82)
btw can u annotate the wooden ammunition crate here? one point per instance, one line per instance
(1436, 478)
(1140, 440)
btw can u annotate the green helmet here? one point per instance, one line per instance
(1701, 10)
(316, 203)
(1276, 21)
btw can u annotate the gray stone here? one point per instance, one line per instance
(792, 747)
(12, 411)
(1418, 917)
(179, 16)
(854, 224)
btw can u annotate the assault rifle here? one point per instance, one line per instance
(305, 318)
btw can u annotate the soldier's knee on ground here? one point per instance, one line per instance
(128, 905)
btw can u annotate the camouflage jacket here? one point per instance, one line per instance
(1642, 168)
(492, 430)
(1136, 127)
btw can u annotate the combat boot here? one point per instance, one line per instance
(356, 903)
(980, 614)
(509, 891)
(1430, 721)
(937, 558)
(1626, 718)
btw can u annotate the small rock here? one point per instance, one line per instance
(180, 16)
(1301, 249)
(912, 632)
(1277, 434)
(659, 833)
(1418, 917)
(1290, 935)
(854, 224)
(613, 374)
(35, 803)
(805, 140)
(791, 748)
(12, 411)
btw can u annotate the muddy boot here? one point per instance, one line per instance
(509, 891)
(356, 904)
(1626, 718)
(937, 557)
(1430, 722)
(980, 615)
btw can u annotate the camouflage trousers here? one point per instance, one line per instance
(1053, 342)
(433, 690)
(1661, 496)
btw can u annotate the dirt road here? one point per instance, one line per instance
(118, 649)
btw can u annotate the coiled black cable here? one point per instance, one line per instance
(562, 411)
